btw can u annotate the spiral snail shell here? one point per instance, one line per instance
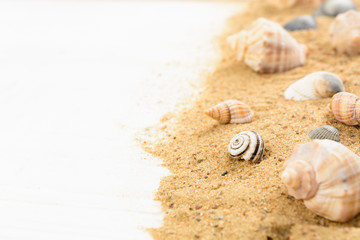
(247, 146)
(326, 175)
(266, 47)
(345, 33)
(231, 111)
(314, 86)
(346, 108)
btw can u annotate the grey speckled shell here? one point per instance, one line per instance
(301, 23)
(325, 132)
(332, 8)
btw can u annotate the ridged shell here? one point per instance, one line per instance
(327, 176)
(346, 108)
(231, 111)
(331, 8)
(268, 48)
(345, 33)
(290, 3)
(314, 86)
(325, 132)
(301, 23)
(247, 146)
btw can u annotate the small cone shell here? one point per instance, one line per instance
(326, 175)
(231, 111)
(314, 86)
(346, 108)
(345, 33)
(267, 47)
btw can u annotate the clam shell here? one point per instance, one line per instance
(267, 47)
(314, 86)
(325, 132)
(346, 108)
(345, 33)
(326, 175)
(331, 8)
(301, 23)
(231, 111)
(247, 146)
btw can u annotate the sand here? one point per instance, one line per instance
(249, 201)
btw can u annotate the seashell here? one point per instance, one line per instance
(314, 86)
(267, 47)
(331, 8)
(346, 108)
(247, 146)
(345, 33)
(290, 3)
(231, 111)
(326, 175)
(325, 132)
(301, 23)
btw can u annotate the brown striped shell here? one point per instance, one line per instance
(345, 33)
(326, 175)
(247, 146)
(231, 111)
(346, 108)
(267, 47)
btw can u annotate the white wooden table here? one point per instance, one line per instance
(78, 80)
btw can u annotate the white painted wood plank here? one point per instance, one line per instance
(78, 80)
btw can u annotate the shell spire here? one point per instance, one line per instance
(326, 175)
(231, 111)
(346, 108)
(247, 146)
(267, 47)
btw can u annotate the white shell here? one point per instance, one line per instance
(267, 47)
(314, 86)
(326, 175)
(345, 33)
(247, 146)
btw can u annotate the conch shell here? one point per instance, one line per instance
(314, 86)
(326, 175)
(345, 33)
(346, 108)
(231, 111)
(268, 48)
(247, 146)
(290, 3)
